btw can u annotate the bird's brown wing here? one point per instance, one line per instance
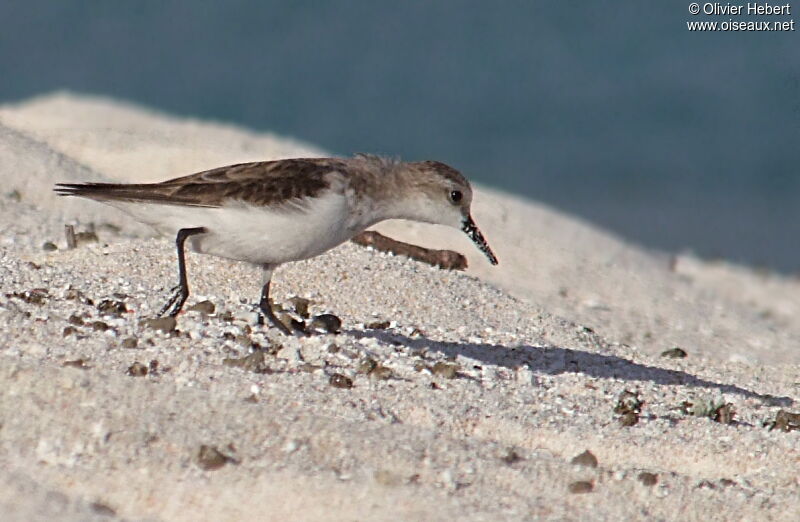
(260, 183)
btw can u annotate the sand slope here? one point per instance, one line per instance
(490, 386)
(644, 299)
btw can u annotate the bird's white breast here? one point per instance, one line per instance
(257, 234)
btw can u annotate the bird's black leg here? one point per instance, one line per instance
(181, 292)
(266, 308)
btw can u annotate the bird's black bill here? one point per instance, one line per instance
(471, 229)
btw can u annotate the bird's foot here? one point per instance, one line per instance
(175, 303)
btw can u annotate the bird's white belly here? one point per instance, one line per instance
(259, 235)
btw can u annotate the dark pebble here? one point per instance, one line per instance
(724, 414)
(49, 246)
(629, 419)
(586, 458)
(327, 323)
(377, 325)
(210, 458)
(628, 402)
(338, 380)
(75, 319)
(36, 296)
(137, 369)
(647, 478)
(446, 370)
(130, 342)
(511, 457)
(102, 509)
(366, 366)
(99, 326)
(581, 486)
(69, 330)
(297, 326)
(300, 305)
(77, 363)
(786, 421)
(111, 307)
(674, 353)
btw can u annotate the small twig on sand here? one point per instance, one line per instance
(72, 242)
(446, 259)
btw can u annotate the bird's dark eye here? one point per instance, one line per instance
(455, 196)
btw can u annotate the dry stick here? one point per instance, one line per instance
(72, 242)
(446, 259)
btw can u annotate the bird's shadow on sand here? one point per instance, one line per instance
(554, 360)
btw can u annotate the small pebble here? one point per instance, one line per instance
(99, 326)
(581, 486)
(210, 458)
(585, 459)
(338, 380)
(300, 305)
(377, 325)
(326, 323)
(629, 406)
(49, 246)
(102, 509)
(366, 366)
(785, 421)
(511, 457)
(647, 478)
(111, 307)
(724, 414)
(130, 342)
(137, 369)
(77, 363)
(446, 370)
(674, 353)
(69, 330)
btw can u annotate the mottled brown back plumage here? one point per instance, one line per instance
(259, 183)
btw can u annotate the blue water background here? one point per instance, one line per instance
(610, 110)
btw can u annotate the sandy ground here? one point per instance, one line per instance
(471, 403)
